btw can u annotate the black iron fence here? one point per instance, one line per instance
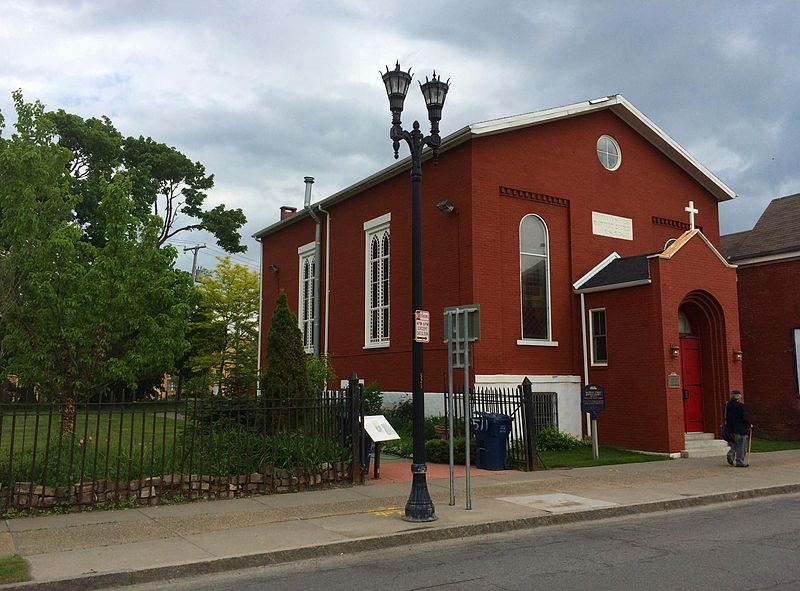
(530, 413)
(148, 452)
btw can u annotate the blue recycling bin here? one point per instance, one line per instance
(491, 435)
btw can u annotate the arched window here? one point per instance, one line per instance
(305, 308)
(377, 275)
(534, 272)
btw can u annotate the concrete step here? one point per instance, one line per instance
(698, 436)
(703, 445)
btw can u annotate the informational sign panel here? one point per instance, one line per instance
(422, 326)
(673, 381)
(593, 398)
(379, 429)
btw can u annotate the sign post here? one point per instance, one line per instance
(593, 400)
(461, 327)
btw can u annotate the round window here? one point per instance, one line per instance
(608, 152)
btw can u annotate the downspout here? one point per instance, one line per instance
(309, 180)
(327, 272)
(260, 312)
(585, 356)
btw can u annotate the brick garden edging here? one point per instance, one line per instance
(151, 491)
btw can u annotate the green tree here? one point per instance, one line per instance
(163, 182)
(224, 331)
(285, 374)
(77, 317)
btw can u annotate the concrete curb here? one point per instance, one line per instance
(416, 536)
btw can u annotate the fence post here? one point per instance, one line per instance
(530, 426)
(356, 470)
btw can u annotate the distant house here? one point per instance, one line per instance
(588, 237)
(768, 260)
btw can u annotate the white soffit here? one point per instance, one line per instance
(617, 104)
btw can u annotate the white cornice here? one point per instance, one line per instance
(617, 104)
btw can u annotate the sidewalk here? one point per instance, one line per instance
(102, 549)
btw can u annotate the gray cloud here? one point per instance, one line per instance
(264, 93)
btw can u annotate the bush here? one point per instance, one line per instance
(218, 452)
(320, 373)
(373, 399)
(437, 451)
(551, 439)
(401, 417)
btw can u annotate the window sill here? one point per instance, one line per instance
(532, 343)
(376, 345)
(598, 365)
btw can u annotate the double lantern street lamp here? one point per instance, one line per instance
(419, 506)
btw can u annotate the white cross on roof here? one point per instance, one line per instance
(691, 210)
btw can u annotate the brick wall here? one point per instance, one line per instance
(769, 309)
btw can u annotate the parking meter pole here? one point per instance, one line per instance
(595, 447)
(450, 409)
(467, 409)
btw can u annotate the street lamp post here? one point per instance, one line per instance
(419, 506)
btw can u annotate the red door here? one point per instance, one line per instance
(692, 384)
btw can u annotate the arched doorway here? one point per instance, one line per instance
(701, 328)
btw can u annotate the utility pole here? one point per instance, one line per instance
(194, 259)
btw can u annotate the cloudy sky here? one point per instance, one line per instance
(266, 92)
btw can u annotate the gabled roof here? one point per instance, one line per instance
(615, 272)
(617, 104)
(683, 239)
(777, 232)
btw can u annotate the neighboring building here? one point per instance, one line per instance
(574, 229)
(768, 261)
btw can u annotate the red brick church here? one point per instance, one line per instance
(590, 240)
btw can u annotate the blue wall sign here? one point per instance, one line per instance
(593, 398)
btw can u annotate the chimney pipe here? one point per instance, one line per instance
(309, 180)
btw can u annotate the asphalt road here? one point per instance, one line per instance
(736, 546)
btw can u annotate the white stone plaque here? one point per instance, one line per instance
(612, 226)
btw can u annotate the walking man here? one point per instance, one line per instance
(739, 426)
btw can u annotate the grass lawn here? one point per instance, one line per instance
(13, 569)
(761, 445)
(122, 428)
(582, 457)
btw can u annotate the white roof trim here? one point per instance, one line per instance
(597, 268)
(772, 258)
(614, 286)
(621, 107)
(617, 104)
(673, 248)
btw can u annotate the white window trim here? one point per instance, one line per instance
(547, 342)
(594, 363)
(371, 228)
(304, 252)
(535, 343)
(372, 225)
(619, 152)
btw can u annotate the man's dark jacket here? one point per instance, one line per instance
(737, 417)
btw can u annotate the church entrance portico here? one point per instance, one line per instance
(701, 327)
